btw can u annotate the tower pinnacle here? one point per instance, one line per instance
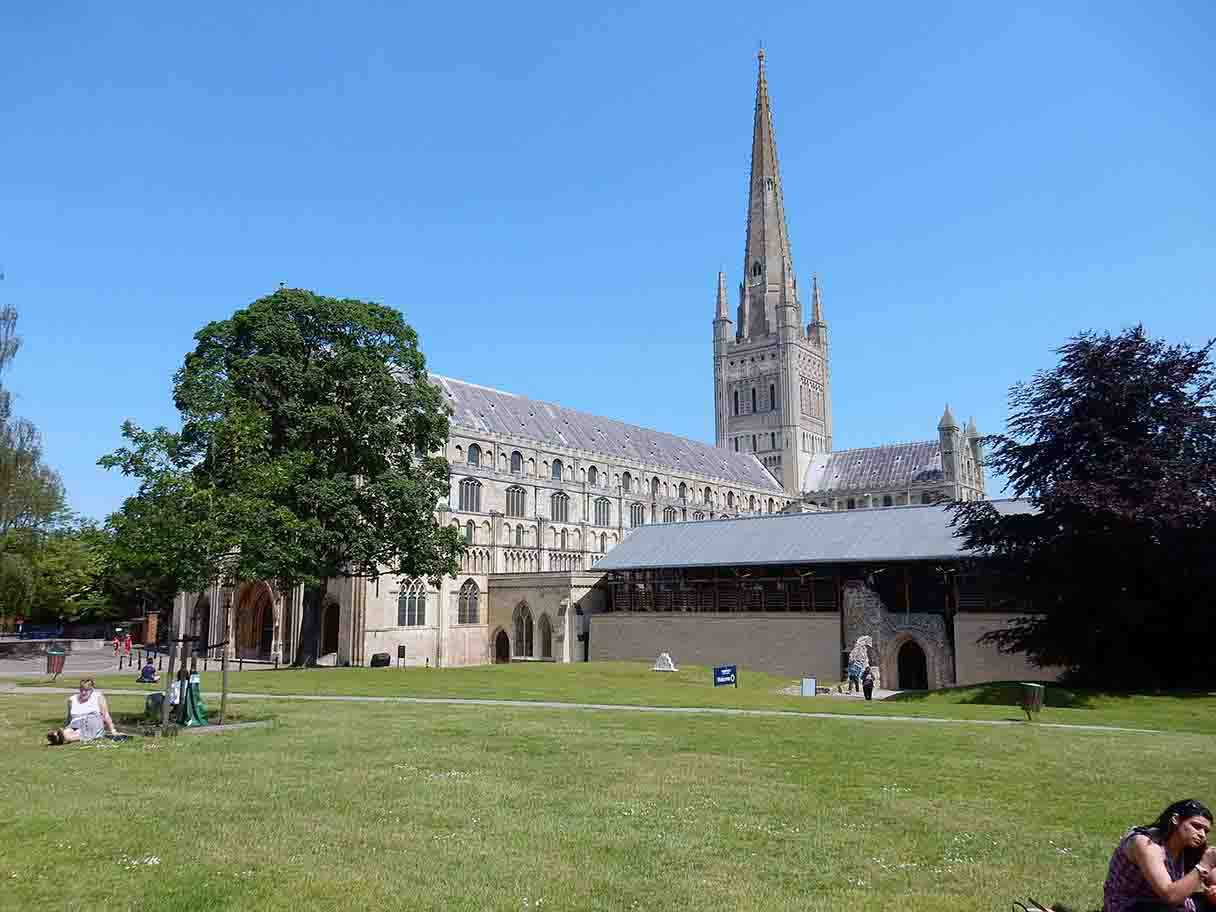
(816, 301)
(720, 310)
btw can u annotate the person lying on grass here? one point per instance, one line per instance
(1158, 867)
(88, 715)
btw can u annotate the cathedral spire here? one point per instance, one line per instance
(767, 265)
(816, 301)
(720, 310)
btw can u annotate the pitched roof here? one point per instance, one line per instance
(850, 536)
(875, 468)
(479, 409)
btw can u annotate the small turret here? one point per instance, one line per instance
(951, 443)
(816, 330)
(947, 422)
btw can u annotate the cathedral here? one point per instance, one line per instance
(541, 492)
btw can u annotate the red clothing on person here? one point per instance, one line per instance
(126, 644)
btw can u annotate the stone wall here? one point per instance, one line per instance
(562, 598)
(979, 662)
(786, 643)
(866, 615)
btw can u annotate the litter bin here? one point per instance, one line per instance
(55, 657)
(1032, 700)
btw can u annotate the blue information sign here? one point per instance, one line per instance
(726, 674)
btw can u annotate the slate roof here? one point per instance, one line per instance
(850, 536)
(876, 468)
(479, 408)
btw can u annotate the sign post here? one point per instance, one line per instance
(726, 674)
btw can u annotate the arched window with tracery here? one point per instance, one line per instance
(603, 511)
(411, 604)
(517, 501)
(517, 462)
(683, 491)
(559, 507)
(470, 496)
(522, 619)
(556, 470)
(637, 515)
(474, 454)
(669, 514)
(467, 612)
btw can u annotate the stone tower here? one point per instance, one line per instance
(772, 387)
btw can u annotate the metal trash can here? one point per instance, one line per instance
(55, 657)
(1032, 699)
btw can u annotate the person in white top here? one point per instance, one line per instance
(88, 715)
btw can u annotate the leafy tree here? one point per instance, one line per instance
(306, 424)
(1116, 449)
(16, 585)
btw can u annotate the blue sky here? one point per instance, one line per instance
(548, 190)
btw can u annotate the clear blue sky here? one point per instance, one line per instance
(548, 190)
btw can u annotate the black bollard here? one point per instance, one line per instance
(205, 663)
(240, 663)
(160, 662)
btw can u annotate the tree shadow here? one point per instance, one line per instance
(999, 693)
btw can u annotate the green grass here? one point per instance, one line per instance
(352, 806)
(634, 684)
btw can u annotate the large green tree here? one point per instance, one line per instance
(307, 424)
(1116, 449)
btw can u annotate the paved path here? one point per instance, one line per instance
(11, 690)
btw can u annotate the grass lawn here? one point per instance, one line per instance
(353, 806)
(634, 684)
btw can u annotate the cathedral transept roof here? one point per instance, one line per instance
(880, 468)
(480, 408)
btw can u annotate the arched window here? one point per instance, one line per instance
(564, 542)
(772, 397)
(887, 501)
(523, 630)
(411, 604)
(517, 462)
(593, 476)
(736, 402)
(756, 268)
(669, 515)
(603, 542)
(730, 500)
(770, 505)
(603, 512)
(654, 489)
(519, 536)
(559, 507)
(470, 496)
(557, 470)
(467, 610)
(544, 632)
(772, 440)
(470, 532)
(698, 515)
(751, 504)
(637, 515)
(683, 491)
(753, 443)
(753, 399)
(474, 454)
(627, 482)
(517, 501)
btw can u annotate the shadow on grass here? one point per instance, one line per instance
(997, 693)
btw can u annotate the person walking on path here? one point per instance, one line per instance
(867, 682)
(117, 642)
(1157, 868)
(126, 645)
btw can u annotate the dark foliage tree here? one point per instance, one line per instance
(307, 421)
(1116, 449)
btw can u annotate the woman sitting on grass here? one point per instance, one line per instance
(1149, 870)
(88, 715)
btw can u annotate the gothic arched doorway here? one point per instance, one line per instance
(545, 634)
(329, 629)
(523, 630)
(913, 669)
(502, 648)
(254, 622)
(200, 625)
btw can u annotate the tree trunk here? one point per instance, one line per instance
(310, 625)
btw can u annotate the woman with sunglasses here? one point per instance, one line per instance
(88, 716)
(1159, 867)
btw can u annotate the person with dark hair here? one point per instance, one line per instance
(1149, 869)
(88, 716)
